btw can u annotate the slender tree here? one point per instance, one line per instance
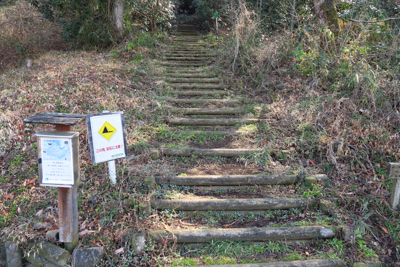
(118, 15)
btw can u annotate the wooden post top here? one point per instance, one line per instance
(66, 119)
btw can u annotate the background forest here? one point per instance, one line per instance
(329, 72)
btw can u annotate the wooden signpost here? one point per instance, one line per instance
(55, 166)
(394, 173)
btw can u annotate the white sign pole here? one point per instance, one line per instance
(111, 165)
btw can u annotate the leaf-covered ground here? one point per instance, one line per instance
(307, 128)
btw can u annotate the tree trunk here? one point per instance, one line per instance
(325, 11)
(118, 16)
(233, 6)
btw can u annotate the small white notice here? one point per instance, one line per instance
(57, 164)
(107, 137)
(58, 158)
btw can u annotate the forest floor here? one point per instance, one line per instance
(132, 81)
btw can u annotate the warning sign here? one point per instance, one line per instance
(107, 141)
(107, 130)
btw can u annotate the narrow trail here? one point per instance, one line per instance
(202, 104)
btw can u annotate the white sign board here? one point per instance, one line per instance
(107, 137)
(57, 167)
(58, 158)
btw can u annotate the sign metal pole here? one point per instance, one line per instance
(111, 165)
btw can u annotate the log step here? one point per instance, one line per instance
(204, 101)
(193, 80)
(208, 122)
(186, 59)
(191, 75)
(208, 111)
(189, 55)
(216, 180)
(197, 86)
(177, 70)
(183, 64)
(200, 93)
(245, 234)
(232, 204)
(221, 152)
(302, 263)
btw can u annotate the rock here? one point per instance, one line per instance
(154, 154)
(155, 104)
(327, 206)
(150, 182)
(42, 226)
(144, 209)
(87, 257)
(374, 264)
(127, 232)
(37, 260)
(3, 259)
(13, 254)
(53, 253)
(140, 123)
(360, 264)
(348, 234)
(130, 203)
(53, 235)
(139, 243)
(282, 71)
(314, 179)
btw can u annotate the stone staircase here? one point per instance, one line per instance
(202, 104)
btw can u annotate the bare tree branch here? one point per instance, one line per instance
(377, 21)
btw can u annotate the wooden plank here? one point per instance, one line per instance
(55, 118)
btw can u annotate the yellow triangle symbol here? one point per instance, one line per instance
(107, 130)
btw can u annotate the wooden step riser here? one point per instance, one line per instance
(197, 86)
(228, 153)
(199, 93)
(302, 263)
(183, 75)
(227, 180)
(192, 80)
(208, 111)
(205, 101)
(231, 204)
(246, 234)
(211, 122)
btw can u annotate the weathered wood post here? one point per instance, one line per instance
(67, 195)
(394, 173)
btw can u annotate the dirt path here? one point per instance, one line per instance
(202, 105)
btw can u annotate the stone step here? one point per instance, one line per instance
(232, 204)
(197, 86)
(208, 111)
(226, 180)
(245, 234)
(200, 93)
(221, 152)
(204, 101)
(205, 122)
(300, 263)
(193, 80)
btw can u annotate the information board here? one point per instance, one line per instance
(57, 165)
(58, 158)
(107, 137)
